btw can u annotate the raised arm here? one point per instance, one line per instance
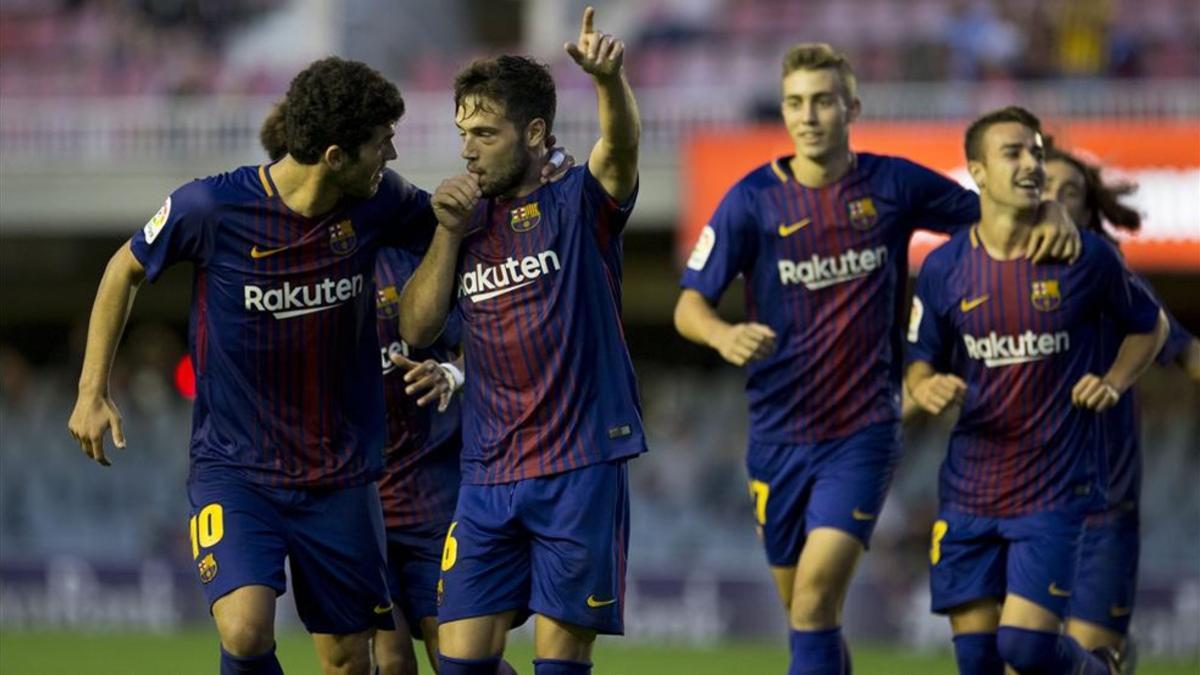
(94, 409)
(425, 300)
(613, 160)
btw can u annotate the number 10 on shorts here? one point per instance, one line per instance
(206, 528)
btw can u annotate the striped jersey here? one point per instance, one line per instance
(549, 383)
(420, 459)
(825, 268)
(1122, 428)
(1021, 336)
(282, 324)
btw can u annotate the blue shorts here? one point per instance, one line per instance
(840, 484)
(1106, 572)
(332, 539)
(414, 555)
(553, 545)
(977, 557)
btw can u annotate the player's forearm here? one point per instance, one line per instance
(697, 320)
(425, 301)
(110, 310)
(615, 156)
(1135, 355)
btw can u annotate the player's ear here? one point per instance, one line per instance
(535, 134)
(978, 173)
(334, 157)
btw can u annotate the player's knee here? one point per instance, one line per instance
(393, 664)
(245, 639)
(815, 605)
(346, 655)
(1027, 651)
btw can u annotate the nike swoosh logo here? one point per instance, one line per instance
(862, 515)
(968, 305)
(382, 609)
(256, 253)
(1118, 612)
(594, 603)
(789, 230)
(1058, 592)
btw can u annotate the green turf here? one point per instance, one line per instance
(194, 652)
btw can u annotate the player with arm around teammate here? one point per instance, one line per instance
(1019, 347)
(821, 237)
(542, 519)
(1102, 597)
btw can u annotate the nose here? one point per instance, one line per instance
(468, 149)
(809, 112)
(389, 153)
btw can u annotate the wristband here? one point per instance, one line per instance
(453, 374)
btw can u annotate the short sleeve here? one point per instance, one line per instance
(1178, 339)
(937, 202)
(611, 215)
(1127, 300)
(929, 332)
(409, 222)
(181, 230)
(725, 247)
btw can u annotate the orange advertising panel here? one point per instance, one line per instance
(1162, 157)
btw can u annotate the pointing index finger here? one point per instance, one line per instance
(585, 26)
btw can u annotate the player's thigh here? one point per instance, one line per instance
(336, 555)
(344, 654)
(977, 616)
(476, 637)
(784, 577)
(245, 619)
(1102, 596)
(967, 559)
(429, 635)
(485, 566)
(393, 649)
(554, 639)
(823, 574)
(1040, 569)
(780, 482)
(851, 480)
(579, 527)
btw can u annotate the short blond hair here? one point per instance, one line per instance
(819, 56)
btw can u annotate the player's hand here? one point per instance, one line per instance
(454, 201)
(558, 164)
(742, 343)
(92, 416)
(1093, 393)
(426, 380)
(1055, 237)
(598, 54)
(938, 391)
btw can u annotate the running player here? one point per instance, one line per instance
(543, 513)
(1020, 347)
(288, 421)
(1102, 598)
(822, 239)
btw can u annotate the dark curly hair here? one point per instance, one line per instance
(1102, 200)
(273, 134)
(974, 137)
(523, 86)
(337, 102)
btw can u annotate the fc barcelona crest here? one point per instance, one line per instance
(862, 213)
(525, 218)
(342, 239)
(387, 302)
(208, 568)
(1045, 295)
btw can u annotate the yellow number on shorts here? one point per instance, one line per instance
(935, 544)
(760, 491)
(207, 528)
(450, 550)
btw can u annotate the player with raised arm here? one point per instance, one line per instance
(821, 237)
(542, 521)
(1102, 598)
(1020, 348)
(288, 421)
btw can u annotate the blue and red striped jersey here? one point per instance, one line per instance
(281, 332)
(420, 459)
(549, 383)
(1122, 428)
(825, 268)
(1021, 336)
